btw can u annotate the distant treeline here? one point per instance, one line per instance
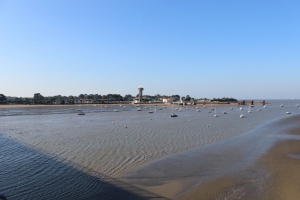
(224, 99)
(96, 98)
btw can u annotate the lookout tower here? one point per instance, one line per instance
(140, 93)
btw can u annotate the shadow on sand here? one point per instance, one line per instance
(30, 174)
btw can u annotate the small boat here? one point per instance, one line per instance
(173, 115)
(288, 113)
(224, 112)
(281, 105)
(139, 109)
(241, 108)
(231, 108)
(150, 111)
(258, 110)
(215, 115)
(197, 110)
(81, 113)
(115, 110)
(241, 116)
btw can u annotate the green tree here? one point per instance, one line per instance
(128, 97)
(38, 98)
(2, 98)
(187, 98)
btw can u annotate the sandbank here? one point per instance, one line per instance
(261, 164)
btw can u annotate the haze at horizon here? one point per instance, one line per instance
(209, 49)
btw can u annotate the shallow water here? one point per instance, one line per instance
(43, 149)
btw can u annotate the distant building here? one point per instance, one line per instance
(85, 101)
(167, 100)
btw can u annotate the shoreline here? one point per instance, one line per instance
(256, 171)
(111, 105)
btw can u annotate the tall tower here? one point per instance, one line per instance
(140, 93)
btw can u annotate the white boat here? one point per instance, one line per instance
(241, 108)
(281, 105)
(115, 110)
(173, 115)
(197, 110)
(215, 115)
(241, 116)
(231, 108)
(139, 109)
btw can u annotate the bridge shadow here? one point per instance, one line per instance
(27, 173)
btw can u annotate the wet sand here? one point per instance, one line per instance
(262, 164)
(137, 155)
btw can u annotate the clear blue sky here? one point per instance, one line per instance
(201, 48)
